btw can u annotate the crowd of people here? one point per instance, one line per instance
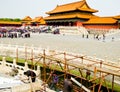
(14, 33)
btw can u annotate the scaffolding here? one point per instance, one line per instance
(89, 69)
(91, 72)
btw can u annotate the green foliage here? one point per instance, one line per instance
(10, 19)
(17, 19)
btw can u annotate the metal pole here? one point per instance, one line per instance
(65, 65)
(95, 71)
(112, 83)
(32, 58)
(79, 84)
(25, 53)
(44, 66)
(100, 72)
(17, 55)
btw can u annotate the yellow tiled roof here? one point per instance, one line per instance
(9, 22)
(68, 16)
(27, 18)
(28, 23)
(117, 17)
(101, 20)
(81, 5)
(40, 20)
(85, 9)
(37, 19)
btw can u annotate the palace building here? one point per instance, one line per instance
(117, 18)
(101, 23)
(80, 14)
(38, 21)
(9, 23)
(28, 21)
(72, 14)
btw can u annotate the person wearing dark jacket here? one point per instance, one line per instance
(31, 74)
(54, 82)
(67, 85)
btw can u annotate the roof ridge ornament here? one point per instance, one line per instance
(57, 5)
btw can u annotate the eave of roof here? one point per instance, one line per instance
(9, 22)
(90, 10)
(117, 17)
(69, 16)
(37, 19)
(27, 18)
(101, 20)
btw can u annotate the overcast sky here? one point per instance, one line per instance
(35, 8)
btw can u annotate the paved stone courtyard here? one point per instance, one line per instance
(108, 49)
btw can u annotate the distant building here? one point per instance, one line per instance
(101, 23)
(38, 21)
(118, 18)
(80, 14)
(72, 14)
(28, 21)
(9, 23)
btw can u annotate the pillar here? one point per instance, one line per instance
(38, 71)
(14, 62)
(47, 50)
(26, 66)
(3, 61)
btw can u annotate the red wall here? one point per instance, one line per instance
(107, 26)
(78, 23)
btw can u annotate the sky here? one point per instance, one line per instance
(35, 8)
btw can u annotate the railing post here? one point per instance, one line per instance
(112, 83)
(16, 53)
(32, 65)
(14, 62)
(25, 53)
(95, 71)
(47, 50)
(26, 66)
(39, 71)
(65, 65)
(44, 65)
(3, 61)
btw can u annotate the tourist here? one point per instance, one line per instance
(54, 82)
(88, 74)
(30, 73)
(14, 71)
(104, 37)
(82, 35)
(67, 85)
(87, 36)
(112, 38)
